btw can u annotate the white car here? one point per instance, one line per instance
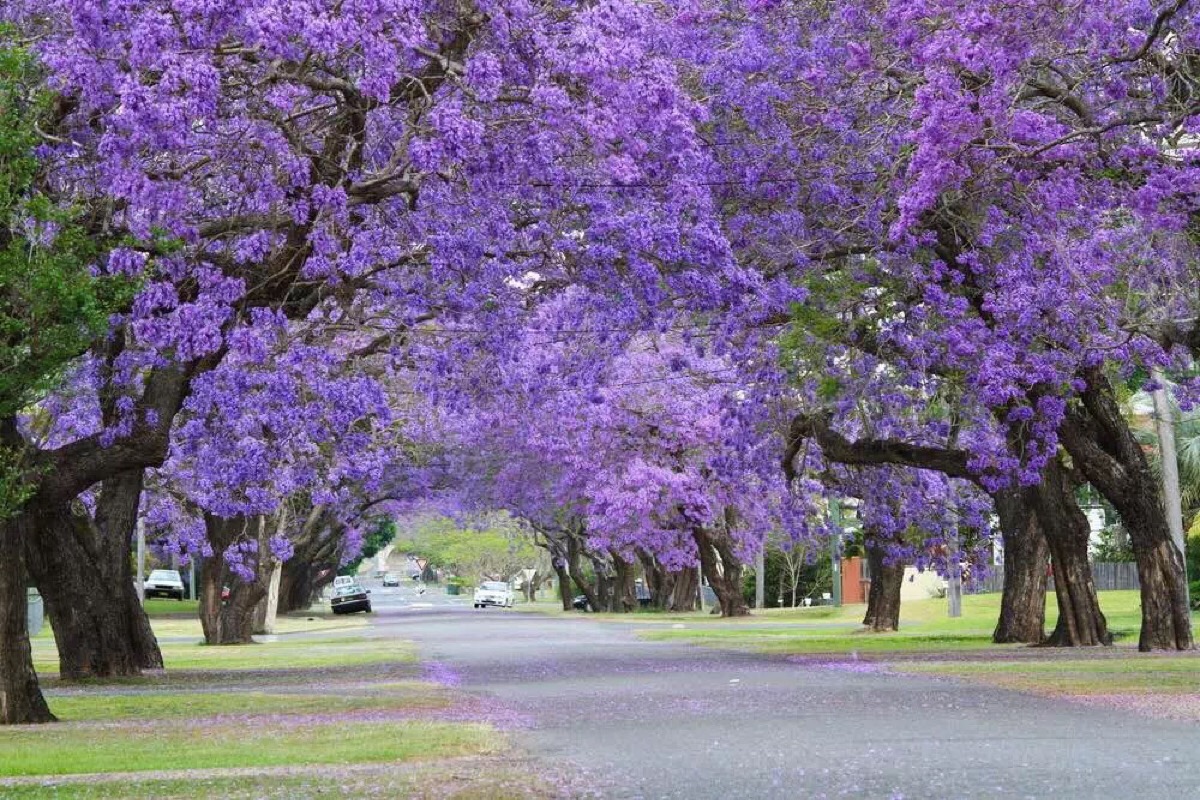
(164, 583)
(493, 593)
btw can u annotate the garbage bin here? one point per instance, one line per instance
(34, 613)
(452, 588)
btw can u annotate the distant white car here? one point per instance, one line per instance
(164, 583)
(493, 593)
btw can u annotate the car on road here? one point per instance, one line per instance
(391, 580)
(493, 593)
(164, 583)
(350, 597)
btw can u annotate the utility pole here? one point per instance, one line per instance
(760, 577)
(954, 563)
(1164, 421)
(141, 562)
(835, 550)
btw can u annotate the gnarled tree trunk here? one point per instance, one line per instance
(887, 578)
(82, 568)
(685, 590)
(232, 621)
(21, 700)
(586, 587)
(1104, 449)
(564, 585)
(722, 569)
(624, 593)
(1026, 556)
(1080, 621)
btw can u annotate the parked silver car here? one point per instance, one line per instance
(164, 583)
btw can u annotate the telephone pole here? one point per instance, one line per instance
(760, 577)
(954, 564)
(1164, 421)
(141, 561)
(835, 550)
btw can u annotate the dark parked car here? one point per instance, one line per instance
(350, 598)
(581, 603)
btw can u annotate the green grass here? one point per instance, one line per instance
(279, 655)
(924, 627)
(193, 705)
(280, 704)
(471, 778)
(161, 607)
(1116, 674)
(60, 750)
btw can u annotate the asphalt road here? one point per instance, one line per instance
(661, 720)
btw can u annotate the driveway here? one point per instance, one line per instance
(662, 720)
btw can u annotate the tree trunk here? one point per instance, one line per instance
(82, 568)
(295, 586)
(233, 621)
(1066, 528)
(1104, 449)
(658, 584)
(1026, 554)
(586, 588)
(21, 700)
(564, 586)
(685, 586)
(604, 587)
(624, 593)
(883, 600)
(267, 610)
(723, 571)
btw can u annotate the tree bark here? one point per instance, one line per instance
(234, 620)
(883, 599)
(1066, 528)
(722, 569)
(313, 563)
(624, 594)
(82, 568)
(1104, 449)
(684, 590)
(21, 700)
(586, 587)
(267, 610)
(1026, 556)
(564, 586)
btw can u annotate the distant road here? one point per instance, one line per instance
(663, 720)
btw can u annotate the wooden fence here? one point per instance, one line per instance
(1115, 575)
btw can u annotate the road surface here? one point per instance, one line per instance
(660, 720)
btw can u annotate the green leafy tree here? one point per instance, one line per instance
(493, 549)
(381, 534)
(52, 306)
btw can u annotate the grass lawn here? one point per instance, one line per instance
(318, 717)
(924, 627)
(61, 750)
(930, 643)
(1120, 673)
(280, 655)
(398, 696)
(469, 778)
